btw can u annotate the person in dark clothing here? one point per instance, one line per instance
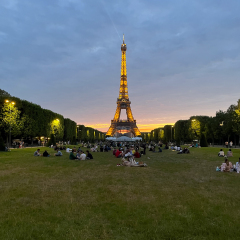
(144, 148)
(137, 154)
(72, 156)
(46, 154)
(89, 155)
(185, 150)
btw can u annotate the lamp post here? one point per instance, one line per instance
(171, 133)
(221, 124)
(11, 104)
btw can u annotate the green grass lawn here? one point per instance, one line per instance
(175, 197)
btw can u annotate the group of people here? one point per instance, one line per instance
(120, 152)
(46, 154)
(80, 155)
(227, 166)
(222, 154)
(230, 144)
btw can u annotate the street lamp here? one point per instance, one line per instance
(171, 133)
(11, 104)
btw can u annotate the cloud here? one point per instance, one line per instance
(181, 58)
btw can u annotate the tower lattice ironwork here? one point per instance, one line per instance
(123, 103)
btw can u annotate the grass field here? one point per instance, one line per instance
(175, 197)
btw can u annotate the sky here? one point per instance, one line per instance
(183, 57)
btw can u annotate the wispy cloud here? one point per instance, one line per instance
(182, 58)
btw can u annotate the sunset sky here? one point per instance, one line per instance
(183, 57)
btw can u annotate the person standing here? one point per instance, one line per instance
(226, 144)
(144, 148)
(230, 144)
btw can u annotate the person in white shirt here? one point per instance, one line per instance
(68, 150)
(237, 167)
(82, 156)
(221, 153)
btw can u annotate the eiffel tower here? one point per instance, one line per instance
(123, 103)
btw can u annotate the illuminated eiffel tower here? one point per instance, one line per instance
(129, 125)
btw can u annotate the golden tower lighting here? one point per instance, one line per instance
(123, 102)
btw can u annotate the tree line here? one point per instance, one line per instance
(223, 127)
(29, 121)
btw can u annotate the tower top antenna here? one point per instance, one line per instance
(123, 39)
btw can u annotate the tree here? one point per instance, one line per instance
(10, 119)
(4, 93)
(70, 129)
(57, 128)
(29, 126)
(203, 140)
(236, 120)
(217, 125)
(52, 140)
(181, 133)
(168, 133)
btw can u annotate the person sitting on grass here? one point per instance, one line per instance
(229, 166)
(137, 154)
(185, 150)
(221, 153)
(180, 152)
(46, 154)
(132, 163)
(153, 148)
(226, 166)
(68, 149)
(118, 153)
(72, 156)
(229, 153)
(89, 155)
(59, 153)
(237, 168)
(78, 154)
(82, 156)
(36, 153)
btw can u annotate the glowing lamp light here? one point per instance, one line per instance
(7, 101)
